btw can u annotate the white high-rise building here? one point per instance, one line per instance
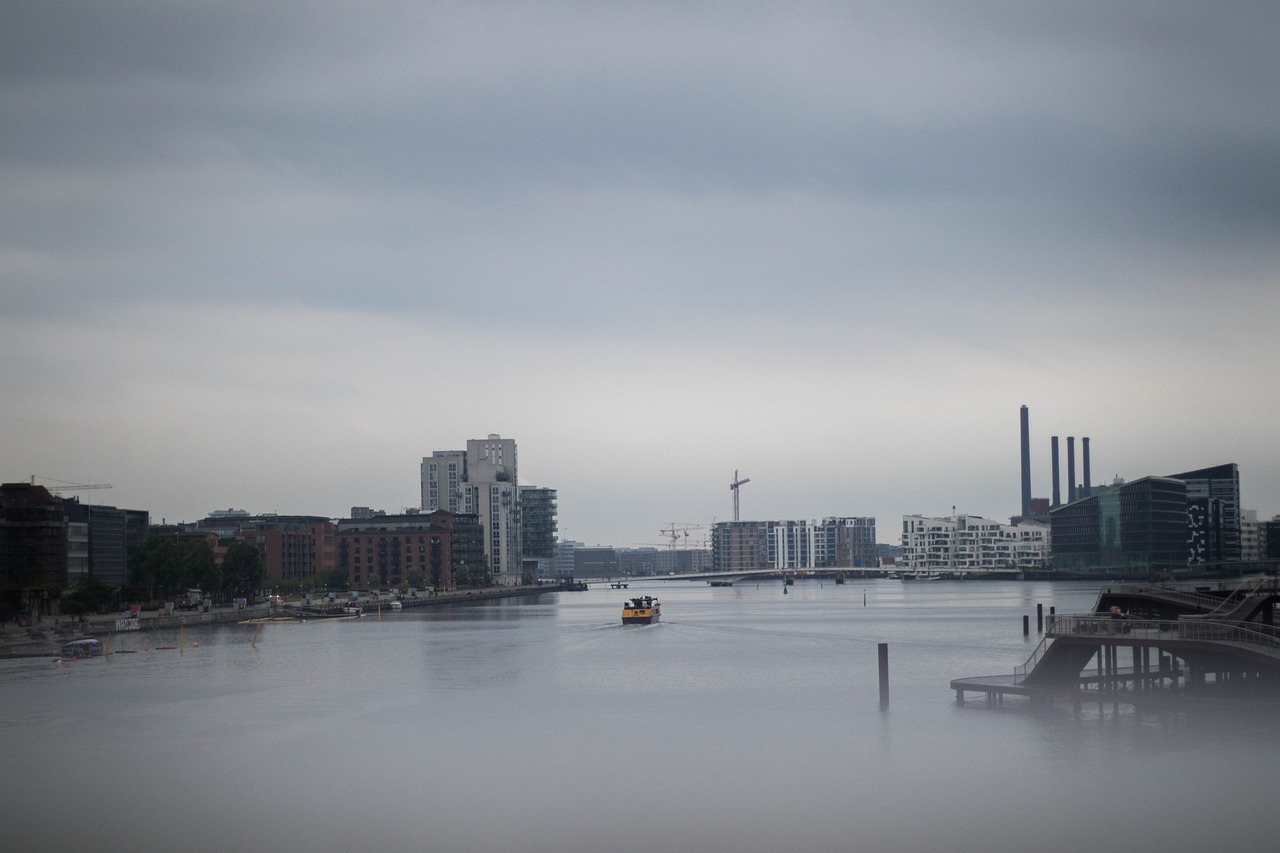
(481, 481)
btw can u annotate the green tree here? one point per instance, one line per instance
(200, 568)
(336, 579)
(88, 596)
(157, 566)
(243, 570)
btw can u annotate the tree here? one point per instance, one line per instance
(157, 566)
(200, 568)
(88, 596)
(243, 570)
(336, 579)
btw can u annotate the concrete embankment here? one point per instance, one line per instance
(45, 638)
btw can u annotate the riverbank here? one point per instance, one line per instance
(46, 637)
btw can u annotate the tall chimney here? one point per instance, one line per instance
(1026, 464)
(1053, 451)
(1071, 469)
(1084, 461)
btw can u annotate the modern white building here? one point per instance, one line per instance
(480, 481)
(1250, 543)
(970, 543)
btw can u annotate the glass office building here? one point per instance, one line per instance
(1135, 527)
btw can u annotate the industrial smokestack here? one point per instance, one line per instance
(1026, 464)
(1084, 462)
(1053, 451)
(1071, 469)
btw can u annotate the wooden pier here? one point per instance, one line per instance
(1199, 647)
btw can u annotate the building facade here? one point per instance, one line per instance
(1141, 526)
(384, 551)
(563, 565)
(970, 543)
(33, 547)
(481, 480)
(738, 546)
(538, 531)
(293, 547)
(48, 543)
(1216, 493)
(834, 542)
(1250, 541)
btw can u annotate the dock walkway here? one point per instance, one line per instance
(1198, 648)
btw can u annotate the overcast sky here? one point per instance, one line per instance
(268, 255)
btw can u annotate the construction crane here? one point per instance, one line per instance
(734, 488)
(64, 486)
(677, 529)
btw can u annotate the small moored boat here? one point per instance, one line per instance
(78, 649)
(641, 611)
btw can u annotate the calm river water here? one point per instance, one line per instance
(748, 720)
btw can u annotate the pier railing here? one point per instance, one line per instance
(1209, 604)
(1183, 596)
(1020, 672)
(1102, 625)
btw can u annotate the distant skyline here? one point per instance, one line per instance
(268, 256)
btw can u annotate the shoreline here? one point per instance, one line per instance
(47, 637)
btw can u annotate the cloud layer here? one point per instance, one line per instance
(272, 254)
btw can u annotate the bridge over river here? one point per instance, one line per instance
(837, 574)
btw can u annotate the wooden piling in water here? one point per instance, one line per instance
(1039, 618)
(1026, 625)
(883, 650)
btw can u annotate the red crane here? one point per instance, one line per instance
(734, 488)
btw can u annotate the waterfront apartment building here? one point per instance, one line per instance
(384, 551)
(970, 543)
(482, 480)
(834, 542)
(293, 547)
(538, 530)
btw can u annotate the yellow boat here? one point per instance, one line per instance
(641, 611)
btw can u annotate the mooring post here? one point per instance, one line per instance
(1026, 625)
(883, 649)
(1039, 618)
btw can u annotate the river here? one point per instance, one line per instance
(747, 720)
